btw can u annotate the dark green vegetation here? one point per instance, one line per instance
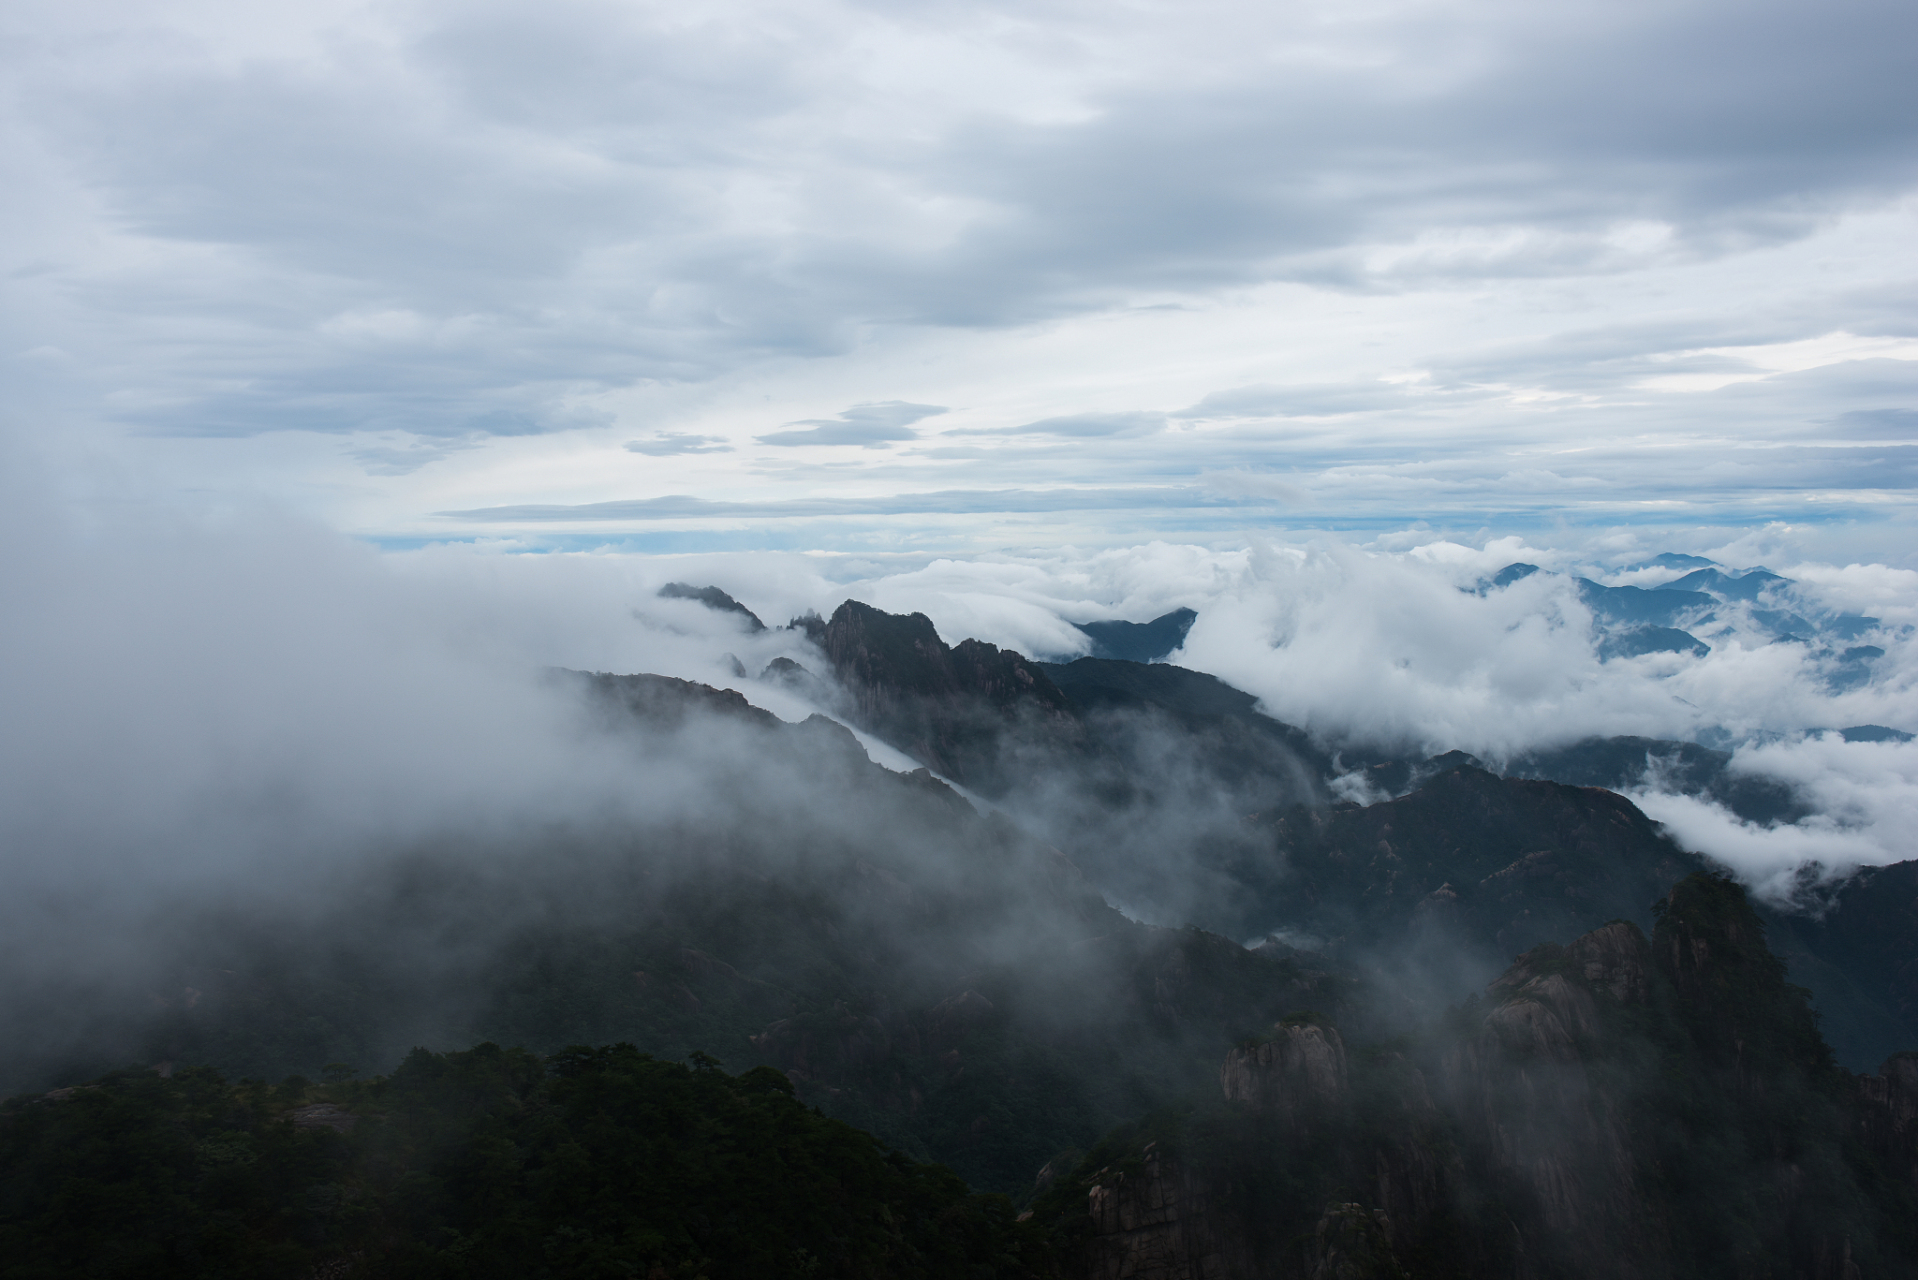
(939, 977)
(1859, 955)
(488, 1163)
(1615, 1107)
(1623, 763)
(1470, 866)
(928, 973)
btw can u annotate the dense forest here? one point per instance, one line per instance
(484, 1163)
(1621, 1106)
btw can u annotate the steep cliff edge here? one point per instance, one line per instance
(1154, 1221)
(1859, 953)
(1542, 1094)
(1887, 1117)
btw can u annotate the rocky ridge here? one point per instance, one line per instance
(1619, 1107)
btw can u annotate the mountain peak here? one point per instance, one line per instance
(1139, 641)
(713, 598)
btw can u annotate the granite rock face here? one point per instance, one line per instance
(1298, 1073)
(1530, 1091)
(1157, 1222)
(1352, 1242)
(1617, 1108)
(1888, 1116)
(1289, 1097)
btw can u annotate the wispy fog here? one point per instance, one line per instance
(249, 700)
(1403, 643)
(247, 704)
(1865, 794)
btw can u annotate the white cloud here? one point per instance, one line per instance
(455, 219)
(1866, 799)
(671, 444)
(1759, 361)
(873, 426)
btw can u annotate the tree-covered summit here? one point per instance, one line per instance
(596, 1162)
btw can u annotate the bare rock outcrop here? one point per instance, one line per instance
(1299, 1072)
(1616, 958)
(1155, 1222)
(1353, 1242)
(323, 1115)
(1527, 1093)
(1887, 1111)
(1616, 1108)
(945, 705)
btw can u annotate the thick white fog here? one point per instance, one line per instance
(1398, 642)
(244, 705)
(192, 700)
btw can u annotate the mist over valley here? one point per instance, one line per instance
(998, 908)
(726, 640)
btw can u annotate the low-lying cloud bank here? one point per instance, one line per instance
(1410, 642)
(1866, 799)
(249, 699)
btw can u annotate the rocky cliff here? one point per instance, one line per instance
(1887, 1117)
(1299, 1072)
(1621, 1107)
(1155, 1221)
(954, 707)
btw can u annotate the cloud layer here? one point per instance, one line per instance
(196, 697)
(872, 425)
(1430, 257)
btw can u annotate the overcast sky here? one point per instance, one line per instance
(935, 276)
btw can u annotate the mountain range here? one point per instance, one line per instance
(1126, 951)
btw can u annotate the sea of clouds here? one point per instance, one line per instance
(1399, 642)
(246, 694)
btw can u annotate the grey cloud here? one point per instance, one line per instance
(1120, 423)
(405, 458)
(1901, 423)
(665, 445)
(1611, 362)
(391, 267)
(873, 426)
(1559, 130)
(1254, 484)
(1321, 400)
(515, 209)
(1345, 478)
(604, 71)
(1801, 404)
(1600, 359)
(948, 502)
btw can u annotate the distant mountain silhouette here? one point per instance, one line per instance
(1661, 607)
(712, 598)
(1744, 586)
(1139, 641)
